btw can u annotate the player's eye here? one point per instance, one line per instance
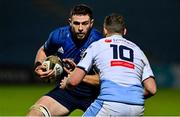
(76, 23)
(85, 23)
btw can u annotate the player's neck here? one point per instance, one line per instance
(111, 34)
(79, 42)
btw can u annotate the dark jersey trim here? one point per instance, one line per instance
(82, 68)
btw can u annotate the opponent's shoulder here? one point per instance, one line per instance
(98, 43)
(130, 44)
(136, 47)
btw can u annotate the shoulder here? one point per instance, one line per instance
(98, 43)
(61, 30)
(95, 34)
(60, 33)
(136, 48)
(131, 44)
(95, 31)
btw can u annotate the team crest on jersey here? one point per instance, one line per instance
(61, 50)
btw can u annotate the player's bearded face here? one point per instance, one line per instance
(80, 25)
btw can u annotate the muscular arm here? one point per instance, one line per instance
(39, 68)
(91, 79)
(40, 56)
(149, 87)
(88, 79)
(75, 78)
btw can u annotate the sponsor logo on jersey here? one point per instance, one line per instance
(108, 40)
(116, 40)
(122, 63)
(61, 50)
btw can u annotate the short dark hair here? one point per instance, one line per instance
(114, 23)
(81, 9)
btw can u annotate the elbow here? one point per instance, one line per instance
(150, 92)
(153, 91)
(150, 86)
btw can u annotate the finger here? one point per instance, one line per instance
(70, 62)
(40, 70)
(67, 70)
(66, 59)
(42, 67)
(62, 86)
(63, 82)
(46, 74)
(51, 73)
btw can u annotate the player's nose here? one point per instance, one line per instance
(80, 28)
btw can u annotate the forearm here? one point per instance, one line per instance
(91, 79)
(147, 94)
(75, 78)
(149, 87)
(40, 56)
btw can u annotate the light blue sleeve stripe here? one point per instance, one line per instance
(112, 91)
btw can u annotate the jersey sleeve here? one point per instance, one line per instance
(87, 60)
(147, 71)
(50, 45)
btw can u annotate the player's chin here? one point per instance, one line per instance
(80, 36)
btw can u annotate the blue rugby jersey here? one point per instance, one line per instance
(60, 43)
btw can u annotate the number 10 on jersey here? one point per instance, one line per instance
(124, 53)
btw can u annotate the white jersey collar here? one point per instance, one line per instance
(116, 36)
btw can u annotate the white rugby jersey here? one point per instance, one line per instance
(122, 65)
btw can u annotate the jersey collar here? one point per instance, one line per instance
(117, 36)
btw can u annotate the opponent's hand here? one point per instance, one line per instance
(69, 65)
(63, 83)
(44, 74)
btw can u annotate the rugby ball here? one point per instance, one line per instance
(53, 62)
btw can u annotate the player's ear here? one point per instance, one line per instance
(92, 22)
(125, 31)
(105, 31)
(69, 21)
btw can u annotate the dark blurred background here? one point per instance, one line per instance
(25, 25)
